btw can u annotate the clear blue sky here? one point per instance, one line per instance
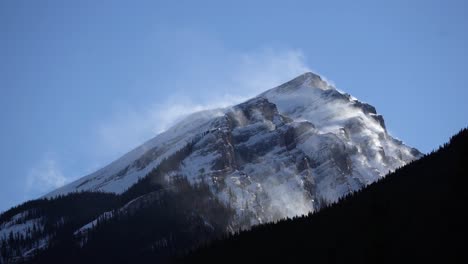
(82, 82)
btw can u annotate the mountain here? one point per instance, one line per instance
(304, 140)
(289, 151)
(415, 215)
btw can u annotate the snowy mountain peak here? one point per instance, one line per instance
(308, 79)
(288, 151)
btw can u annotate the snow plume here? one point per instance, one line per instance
(271, 191)
(45, 176)
(268, 68)
(130, 127)
(243, 75)
(286, 195)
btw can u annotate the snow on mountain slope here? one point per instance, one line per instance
(125, 171)
(286, 152)
(342, 125)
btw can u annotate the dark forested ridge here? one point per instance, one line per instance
(418, 214)
(152, 221)
(64, 215)
(163, 225)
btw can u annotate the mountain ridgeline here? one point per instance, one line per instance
(289, 151)
(416, 214)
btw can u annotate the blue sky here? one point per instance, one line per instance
(83, 82)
